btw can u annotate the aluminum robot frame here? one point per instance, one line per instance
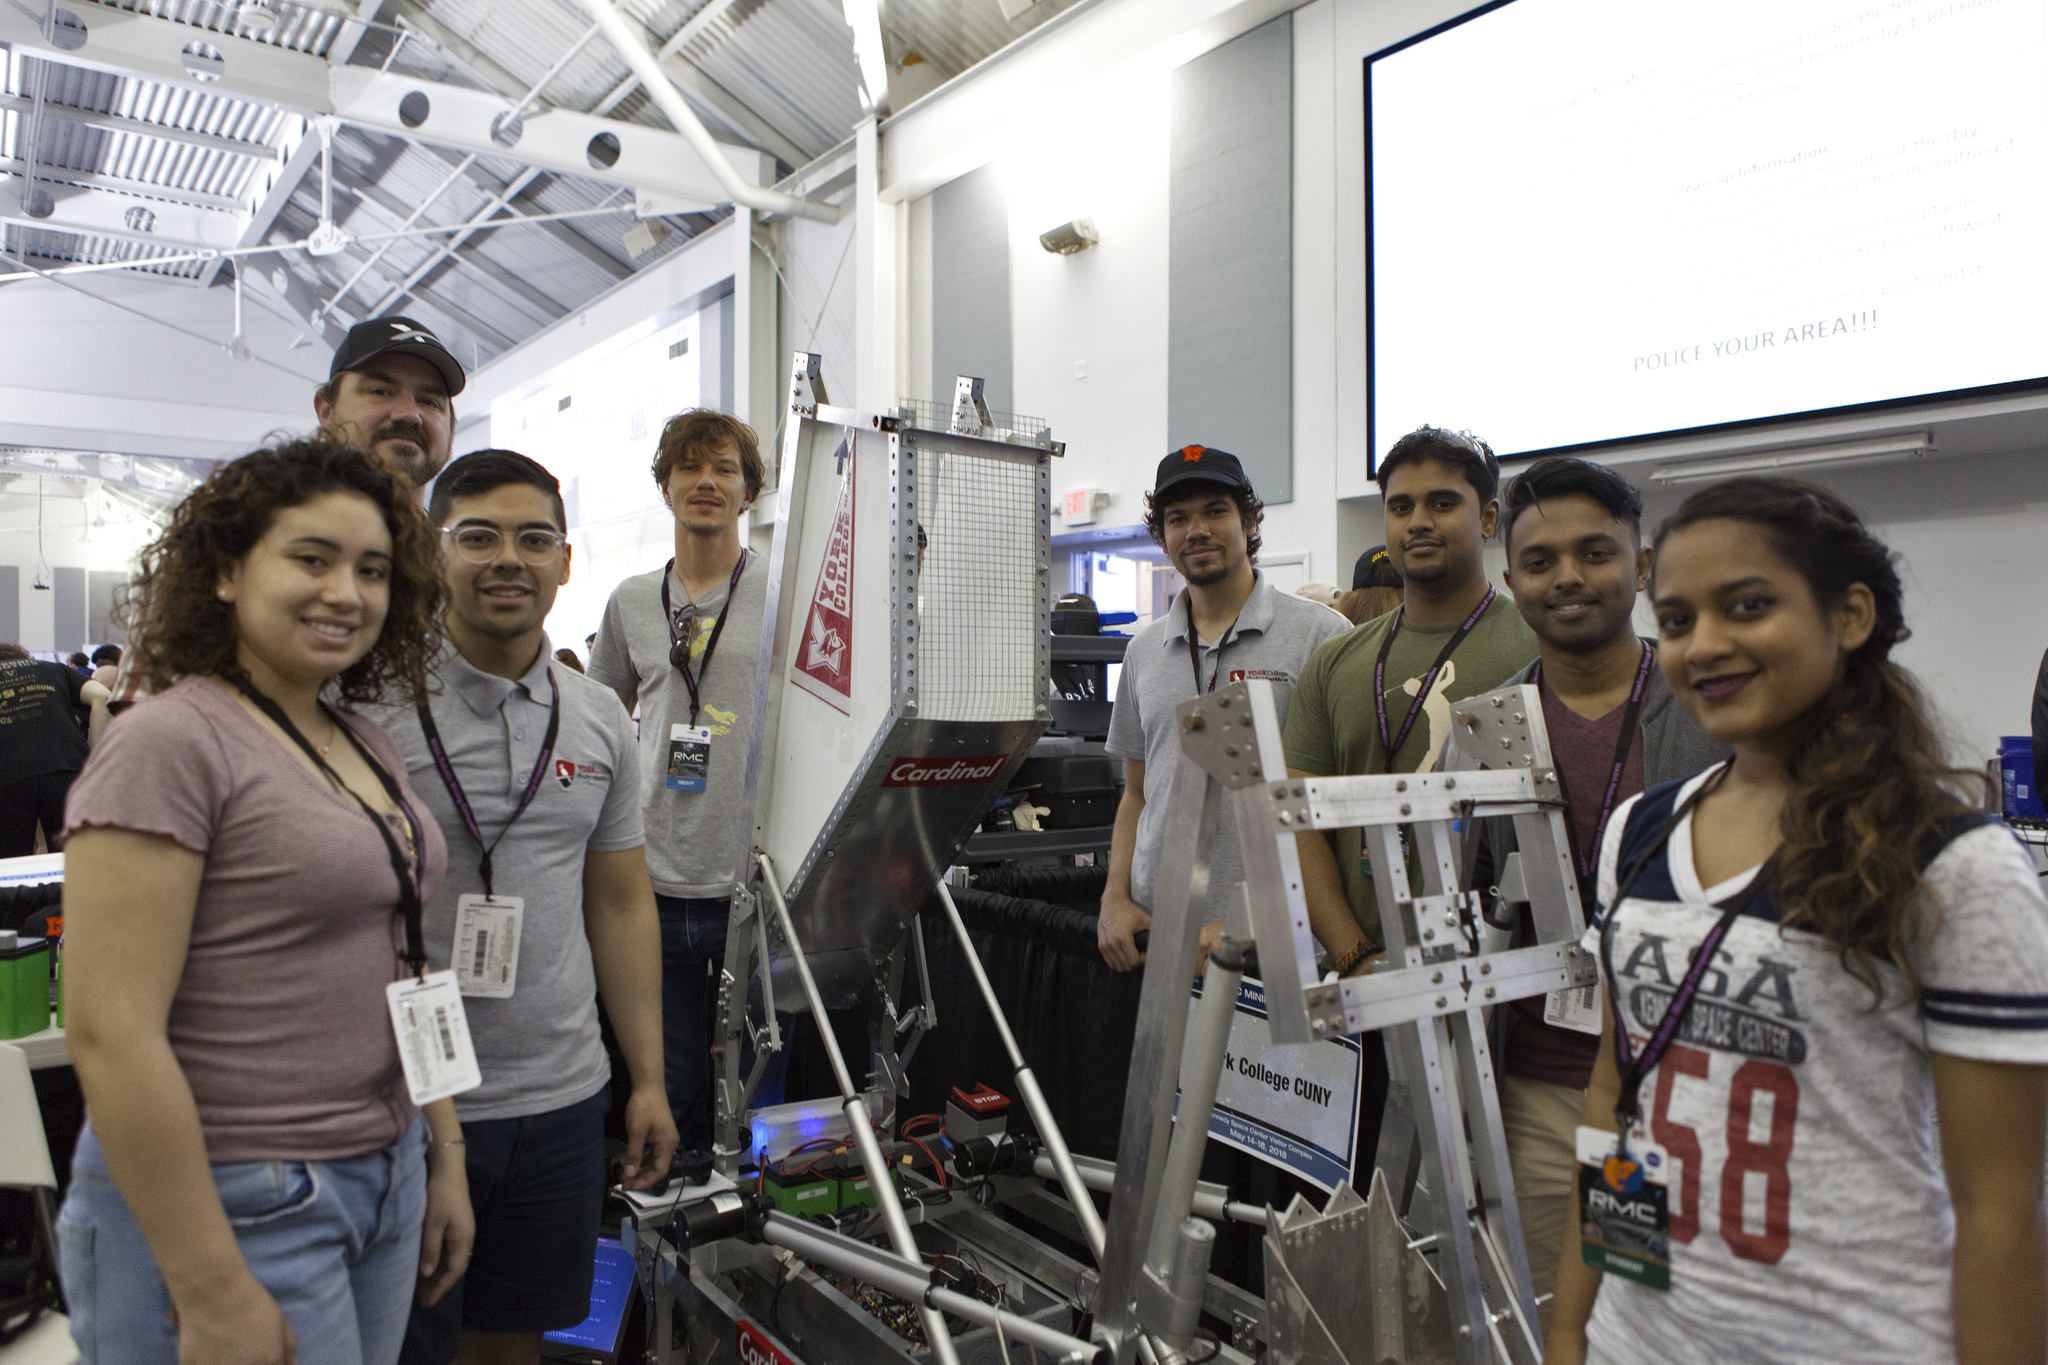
(1446, 1275)
(825, 917)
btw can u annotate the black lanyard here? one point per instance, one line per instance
(1634, 1068)
(679, 646)
(461, 798)
(1392, 744)
(1195, 650)
(401, 866)
(1588, 859)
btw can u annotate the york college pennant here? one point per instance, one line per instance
(824, 664)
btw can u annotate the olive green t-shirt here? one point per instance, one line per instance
(1332, 730)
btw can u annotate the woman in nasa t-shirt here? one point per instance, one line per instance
(1889, 974)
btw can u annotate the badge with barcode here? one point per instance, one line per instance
(485, 955)
(689, 758)
(1576, 1008)
(433, 1037)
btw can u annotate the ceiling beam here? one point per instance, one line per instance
(114, 123)
(654, 160)
(304, 152)
(549, 308)
(516, 191)
(148, 195)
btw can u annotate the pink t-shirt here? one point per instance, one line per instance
(280, 1021)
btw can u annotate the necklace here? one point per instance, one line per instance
(333, 733)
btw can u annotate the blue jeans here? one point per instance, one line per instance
(337, 1244)
(692, 956)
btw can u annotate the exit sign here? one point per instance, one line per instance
(1077, 506)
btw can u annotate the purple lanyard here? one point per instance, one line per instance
(1588, 859)
(1379, 674)
(461, 798)
(1633, 1067)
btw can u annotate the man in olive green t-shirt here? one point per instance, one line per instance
(1364, 695)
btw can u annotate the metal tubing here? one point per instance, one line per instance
(1209, 1034)
(632, 46)
(914, 1282)
(1206, 1204)
(857, 1115)
(1027, 1086)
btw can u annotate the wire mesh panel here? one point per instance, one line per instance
(981, 574)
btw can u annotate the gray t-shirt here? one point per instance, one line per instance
(695, 840)
(538, 1048)
(1273, 638)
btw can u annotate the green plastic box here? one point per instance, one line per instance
(24, 985)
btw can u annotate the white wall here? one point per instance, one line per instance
(79, 372)
(82, 528)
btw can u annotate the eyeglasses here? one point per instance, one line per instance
(482, 544)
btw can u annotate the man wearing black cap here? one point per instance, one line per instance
(391, 390)
(1230, 625)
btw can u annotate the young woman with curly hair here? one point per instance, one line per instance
(254, 1183)
(1855, 956)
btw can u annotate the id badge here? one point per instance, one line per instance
(689, 758)
(486, 952)
(1624, 1210)
(1576, 1008)
(433, 1037)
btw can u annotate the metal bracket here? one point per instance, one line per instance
(1228, 731)
(970, 410)
(806, 384)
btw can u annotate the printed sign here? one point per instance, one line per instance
(752, 1346)
(943, 771)
(1292, 1106)
(824, 664)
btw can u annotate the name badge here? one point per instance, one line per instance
(433, 1037)
(689, 758)
(1576, 1008)
(1624, 1210)
(486, 952)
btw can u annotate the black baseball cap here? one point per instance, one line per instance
(1199, 462)
(367, 340)
(1375, 569)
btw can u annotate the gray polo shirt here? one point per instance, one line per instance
(1273, 637)
(539, 1047)
(695, 840)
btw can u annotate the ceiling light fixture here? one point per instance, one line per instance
(1908, 445)
(864, 17)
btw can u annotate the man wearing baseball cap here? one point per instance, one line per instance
(1230, 625)
(391, 390)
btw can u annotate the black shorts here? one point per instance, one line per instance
(537, 1185)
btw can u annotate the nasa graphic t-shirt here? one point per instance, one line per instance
(1810, 1218)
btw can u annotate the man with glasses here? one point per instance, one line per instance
(533, 773)
(681, 644)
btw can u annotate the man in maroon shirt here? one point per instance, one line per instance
(1576, 562)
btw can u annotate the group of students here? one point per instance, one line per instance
(358, 764)
(356, 839)
(1825, 967)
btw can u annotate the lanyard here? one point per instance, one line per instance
(1393, 744)
(461, 798)
(679, 645)
(401, 868)
(1195, 650)
(1588, 859)
(1635, 1067)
